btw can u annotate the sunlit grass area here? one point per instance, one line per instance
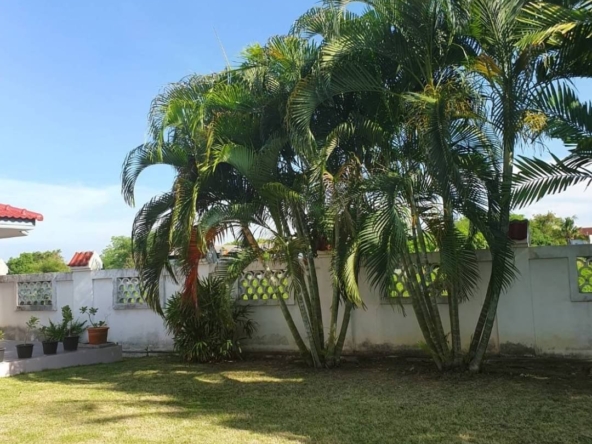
(160, 400)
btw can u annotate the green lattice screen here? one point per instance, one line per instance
(584, 265)
(128, 291)
(35, 293)
(399, 288)
(264, 285)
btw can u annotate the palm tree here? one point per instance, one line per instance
(569, 230)
(408, 84)
(476, 49)
(166, 223)
(371, 142)
(520, 88)
(238, 170)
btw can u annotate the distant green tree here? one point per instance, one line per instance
(545, 229)
(118, 253)
(550, 229)
(37, 262)
(463, 225)
(569, 230)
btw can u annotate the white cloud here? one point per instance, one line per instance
(76, 217)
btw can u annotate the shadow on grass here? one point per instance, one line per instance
(381, 402)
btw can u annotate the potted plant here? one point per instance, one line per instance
(72, 329)
(52, 335)
(25, 350)
(2, 349)
(97, 333)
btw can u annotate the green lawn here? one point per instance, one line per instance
(159, 400)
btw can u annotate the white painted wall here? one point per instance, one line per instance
(543, 312)
(3, 268)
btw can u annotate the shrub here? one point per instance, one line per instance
(53, 332)
(213, 330)
(71, 326)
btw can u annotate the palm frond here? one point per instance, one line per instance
(538, 178)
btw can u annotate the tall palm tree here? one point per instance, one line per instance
(165, 224)
(239, 170)
(408, 80)
(407, 56)
(519, 85)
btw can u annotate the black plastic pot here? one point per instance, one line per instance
(50, 347)
(70, 343)
(24, 351)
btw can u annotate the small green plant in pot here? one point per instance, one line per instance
(25, 350)
(2, 349)
(98, 331)
(72, 329)
(52, 335)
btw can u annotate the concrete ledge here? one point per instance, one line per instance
(84, 356)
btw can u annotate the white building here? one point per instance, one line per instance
(15, 222)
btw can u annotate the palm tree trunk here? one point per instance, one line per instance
(300, 296)
(420, 309)
(314, 298)
(295, 333)
(332, 339)
(312, 339)
(494, 290)
(315, 343)
(478, 332)
(454, 327)
(435, 351)
(452, 289)
(499, 265)
(343, 332)
(432, 312)
(248, 234)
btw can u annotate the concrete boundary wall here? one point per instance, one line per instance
(548, 309)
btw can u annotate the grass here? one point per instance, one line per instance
(151, 400)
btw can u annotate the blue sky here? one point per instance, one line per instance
(76, 80)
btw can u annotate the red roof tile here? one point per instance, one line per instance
(8, 212)
(586, 231)
(81, 259)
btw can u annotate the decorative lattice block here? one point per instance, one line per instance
(35, 293)
(400, 286)
(264, 285)
(584, 265)
(128, 291)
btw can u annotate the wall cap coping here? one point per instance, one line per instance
(41, 277)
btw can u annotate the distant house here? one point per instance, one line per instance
(587, 232)
(17, 222)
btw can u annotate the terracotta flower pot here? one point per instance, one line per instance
(97, 335)
(518, 230)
